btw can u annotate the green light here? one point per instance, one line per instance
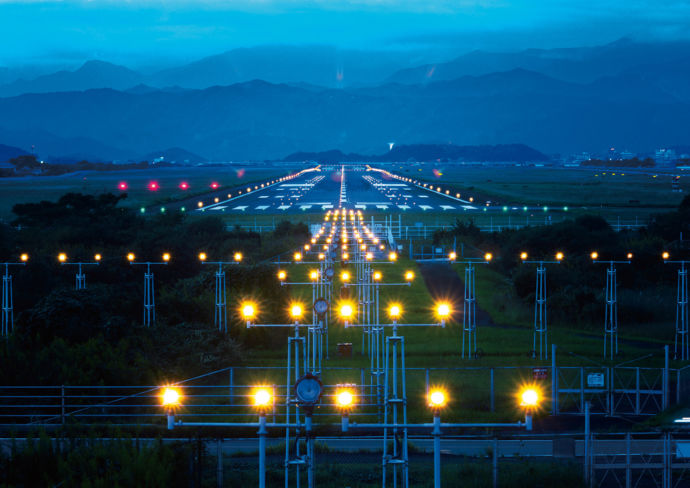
(183, 209)
(505, 209)
(484, 209)
(142, 210)
(546, 209)
(565, 209)
(524, 208)
(162, 209)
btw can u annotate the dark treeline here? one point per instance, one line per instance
(647, 287)
(621, 163)
(28, 164)
(92, 336)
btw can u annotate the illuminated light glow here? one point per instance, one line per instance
(437, 399)
(131, 257)
(262, 397)
(248, 311)
(488, 256)
(377, 276)
(313, 240)
(62, 257)
(282, 275)
(369, 256)
(559, 256)
(122, 185)
(394, 311)
(345, 398)
(443, 310)
(216, 200)
(345, 276)
(452, 256)
(306, 247)
(392, 256)
(184, 185)
(346, 311)
(346, 256)
(314, 275)
(97, 257)
(214, 185)
(523, 255)
(202, 256)
(153, 186)
(629, 255)
(322, 256)
(381, 247)
(298, 256)
(166, 257)
(200, 204)
(296, 311)
(237, 257)
(665, 255)
(409, 275)
(594, 255)
(171, 397)
(529, 398)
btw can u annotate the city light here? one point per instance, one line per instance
(171, 397)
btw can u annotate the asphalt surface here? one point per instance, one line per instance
(351, 187)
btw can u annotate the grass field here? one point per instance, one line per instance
(199, 179)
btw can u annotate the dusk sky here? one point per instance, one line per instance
(138, 33)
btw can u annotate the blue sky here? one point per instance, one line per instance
(158, 31)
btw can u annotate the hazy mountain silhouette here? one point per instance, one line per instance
(9, 152)
(92, 74)
(260, 120)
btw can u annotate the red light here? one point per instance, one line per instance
(122, 185)
(214, 185)
(153, 186)
(184, 185)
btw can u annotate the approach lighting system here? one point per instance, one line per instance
(153, 186)
(237, 257)
(62, 257)
(308, 390)
(314, 275)
(529, 398)
(559, 256)
(202, 256)
(248, 311)
(97, 257)
(453, 256)
(296, 311)
(629, 255)
(594, 256)
(122, 186)
(437, 399)
(184, 185)
(345, 276)
(282, 275)
(298, 256)
(488, 257)
(409, 275)
(377, 276)
(392, 256)
(166, 257)
(665, 255)
(443, 312)
(171, 397)
(262, 397)
(394, 311)
(131, 257)
(24, 257)
(345, 398)
(523, 255)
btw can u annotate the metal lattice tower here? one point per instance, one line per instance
(611, 314)
(469, 319)
(80, 279)
(7, 304)
(540, 334)
(395, 407)
(682, 315)
(220, 317)
(149, 299)
(296, 367)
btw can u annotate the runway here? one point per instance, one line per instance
(356, 187)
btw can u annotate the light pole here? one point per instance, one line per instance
(263, 400)
(220, 316)
(681, 310)
(611, 314)
(149, 293)
(80, 277)
(7, 298)
(540, 323)
(437, 401)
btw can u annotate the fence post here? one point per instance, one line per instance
(492, 390)
(495, 464)
(554, 381)
(628, 468)
(219, 467)
(232, 387)
(665, 378)
(62, 404)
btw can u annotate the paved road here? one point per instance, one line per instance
(331, 187)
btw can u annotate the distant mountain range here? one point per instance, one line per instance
(9, 152)
(430, 152)
(630, 95)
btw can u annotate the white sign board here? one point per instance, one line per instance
(595, 380)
